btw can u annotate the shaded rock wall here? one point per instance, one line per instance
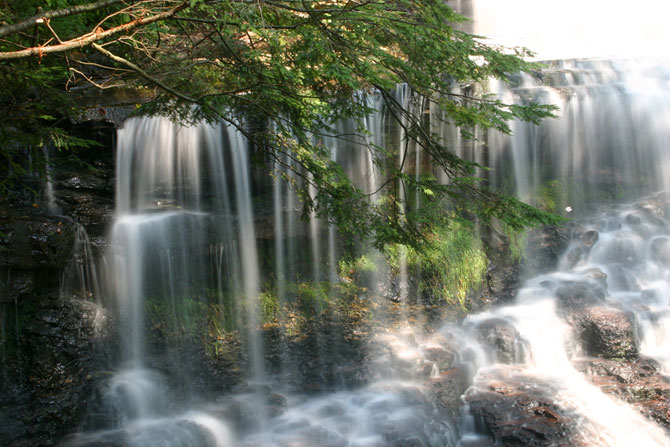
(52, 347)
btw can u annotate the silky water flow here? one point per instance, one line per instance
(185, 219)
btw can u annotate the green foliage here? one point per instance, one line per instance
(292, 70)
(517, 242)
(449, 264)
(356, 269)
(183, 318)
(269, 307)
(551, 195)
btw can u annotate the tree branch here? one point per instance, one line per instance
(170, 90)
(90, 38)
(34, 20)
(142, 73)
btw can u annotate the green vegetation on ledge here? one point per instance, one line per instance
(449, 264)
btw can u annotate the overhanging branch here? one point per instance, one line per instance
(88, 39)
(72, 10)
(142, 73)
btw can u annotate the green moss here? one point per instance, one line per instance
(311, 297)
(551, 195)
(224, 306)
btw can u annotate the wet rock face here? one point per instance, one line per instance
(33, 249)
(502, 283)
(578, 295)
(587, 240)
(519, 410)
(656, 206)
(502, 273)
(50, 347)
(607, 333)
(33, 241)
(87, 195)
(447, 389)
(660, 250)
(639, 382)
(503, 340)
(545, 247)
(49, 373)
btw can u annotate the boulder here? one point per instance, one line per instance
(605, 332)
(598, 276)
(447, 389)
(545, 247)
(578, 295)
(440, 357)
(515, 409)
(502, 339)
(586, 241)
(639, 382)
(589, 238)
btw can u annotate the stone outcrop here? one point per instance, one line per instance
(502, 339)
(48, 369)
(574, 296)
(519, 410)
(639, 382)
(605, 332)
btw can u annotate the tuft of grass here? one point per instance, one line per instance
(449, 264)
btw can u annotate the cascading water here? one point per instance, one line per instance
(185, 227)
(609, 143)
(176, 210)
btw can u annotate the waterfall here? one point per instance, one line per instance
(49, 193)
(539, 316)
(187, 236)
(184, 212)
(608, 143)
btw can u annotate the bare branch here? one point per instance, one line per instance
(46, 22)
(92, 82)
(90, 38)
(142, 73)
(34, 20)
